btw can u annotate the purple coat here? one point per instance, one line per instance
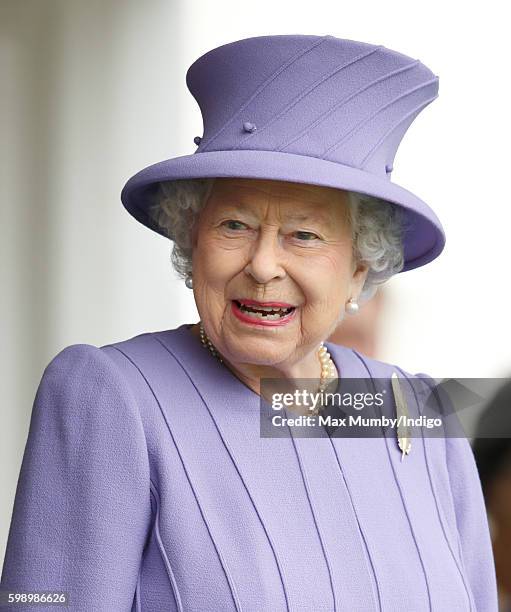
(145, 485)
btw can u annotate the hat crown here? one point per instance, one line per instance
(334, 99)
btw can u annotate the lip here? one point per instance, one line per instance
(260, 322)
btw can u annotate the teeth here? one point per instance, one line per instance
(265, 308)
(253, 314)
(268, 317)
(274, 313)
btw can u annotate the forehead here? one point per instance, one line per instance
(264, 191)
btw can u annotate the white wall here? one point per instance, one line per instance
(89, 92)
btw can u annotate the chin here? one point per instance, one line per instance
(258, 351)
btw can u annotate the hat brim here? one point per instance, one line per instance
(424, 239)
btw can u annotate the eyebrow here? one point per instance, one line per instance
(309, 217)
(236, 204)
(299, 217)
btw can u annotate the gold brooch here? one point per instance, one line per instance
(403, 431)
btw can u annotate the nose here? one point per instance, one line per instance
(265, 258)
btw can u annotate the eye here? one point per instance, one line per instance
(306, 236)
(232, 224)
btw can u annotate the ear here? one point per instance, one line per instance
(358, 279)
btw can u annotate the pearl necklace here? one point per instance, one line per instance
(328, 370)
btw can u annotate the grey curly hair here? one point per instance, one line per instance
(377, 228)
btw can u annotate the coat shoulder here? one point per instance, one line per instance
(377, 367)
(82, 379)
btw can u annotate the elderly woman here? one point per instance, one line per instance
(146, 483)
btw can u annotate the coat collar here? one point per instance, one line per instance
(216, 382)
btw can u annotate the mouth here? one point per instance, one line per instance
(263, 313)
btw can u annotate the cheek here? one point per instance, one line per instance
(209, 280)
(214, 268)
(214, 263)
(325, 281)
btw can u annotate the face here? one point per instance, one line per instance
(261, 244)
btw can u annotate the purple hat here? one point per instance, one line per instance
(308, 109)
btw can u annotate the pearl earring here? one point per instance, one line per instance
(189, 281)
(352, 306)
